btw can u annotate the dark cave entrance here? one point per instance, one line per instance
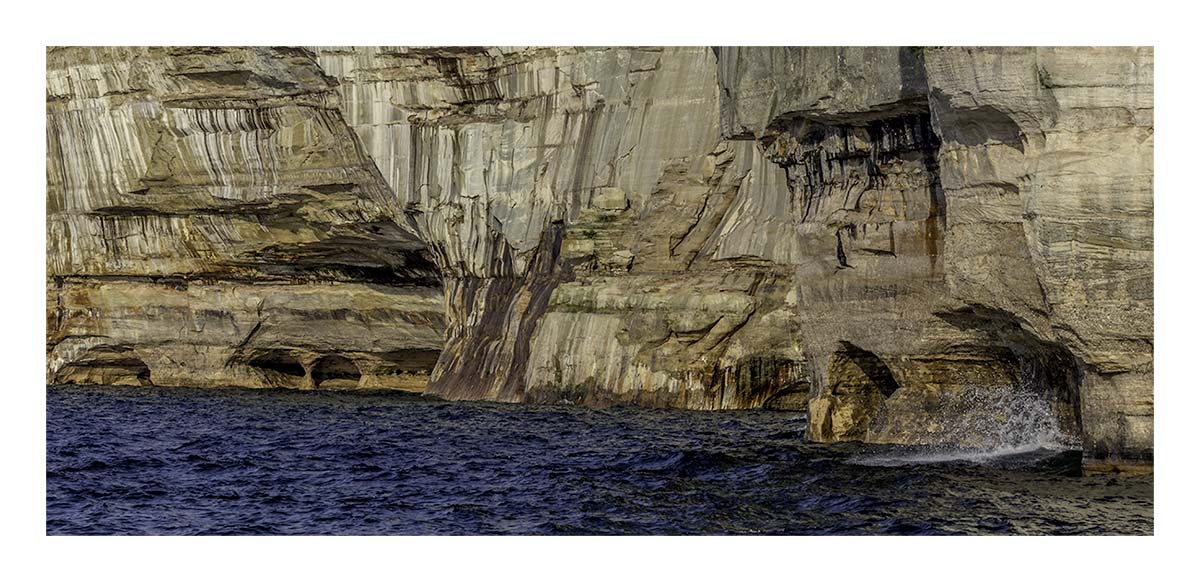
(107, 366)
(335, 372)
(134, 370)
(1054, 374)
(278, 368)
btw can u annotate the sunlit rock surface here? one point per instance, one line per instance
(967, 218)
(212, 221)
(885, 237)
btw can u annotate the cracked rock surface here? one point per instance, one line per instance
(868, 234)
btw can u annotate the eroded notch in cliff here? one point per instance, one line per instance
(105, 365)
(278, 368)
(331, 372)
(1044, 369)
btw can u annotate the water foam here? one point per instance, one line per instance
(986, 423)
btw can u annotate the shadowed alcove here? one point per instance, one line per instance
(860, 382)
(335, 372)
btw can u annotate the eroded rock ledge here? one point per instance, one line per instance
(884, 237)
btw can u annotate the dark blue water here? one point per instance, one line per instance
(189, 461)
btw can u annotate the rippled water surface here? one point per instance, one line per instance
(180, 461)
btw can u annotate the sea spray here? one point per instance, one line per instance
(985, 423)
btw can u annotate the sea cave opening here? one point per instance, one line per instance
(330, 372)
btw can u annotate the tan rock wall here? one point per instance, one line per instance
(876, 234)
(212, 221)
(1039, 231)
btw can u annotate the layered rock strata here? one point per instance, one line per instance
(212, 221)
(569, 196)
(976, 217)
(879, 236)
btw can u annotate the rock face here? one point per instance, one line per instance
(881, 236)
(212, 221)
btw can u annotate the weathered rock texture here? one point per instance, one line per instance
(868, 233)
(212, 221)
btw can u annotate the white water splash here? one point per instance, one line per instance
(986, 423)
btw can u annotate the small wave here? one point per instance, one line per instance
(689, 463)
(974, 456)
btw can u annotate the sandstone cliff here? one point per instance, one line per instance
(871, 234)
(212, 221)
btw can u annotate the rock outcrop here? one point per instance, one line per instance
(212, 221)
(966, 218)
(880, 236)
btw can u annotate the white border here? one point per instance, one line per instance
(600, 22)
